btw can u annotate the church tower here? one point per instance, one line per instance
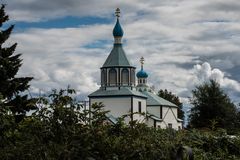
(118, 92)
(117, 72)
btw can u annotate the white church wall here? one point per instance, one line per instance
(117, 106)
(170, 117)
(136, 101)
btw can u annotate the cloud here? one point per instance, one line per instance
(184, 42)
(182, 81)
(35, 10)
(58, 57)
(167, 11)
(205, 72)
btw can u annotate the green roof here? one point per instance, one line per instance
(154, 117)
(154, 100)
(115, 93)
(117, 57)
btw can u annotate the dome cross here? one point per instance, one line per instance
(117, 13)
(142, 62)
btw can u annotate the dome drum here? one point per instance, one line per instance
(117, 76)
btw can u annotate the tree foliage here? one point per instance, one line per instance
(212, 107)
(61, 129)
(174, 99)
(10, 85)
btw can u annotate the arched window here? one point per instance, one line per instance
(112, 76)
(103, 77)
(133, 77)
(144, 81)
(125, 76)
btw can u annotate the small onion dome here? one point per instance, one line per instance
(117, 31)
(142, 74)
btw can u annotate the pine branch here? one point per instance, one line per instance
(4, 35)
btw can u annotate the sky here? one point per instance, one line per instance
(184, 42)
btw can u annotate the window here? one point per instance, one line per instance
(160, 112)
(125, 76)
(103, 77)
(179, 128)
(169, 125)
(112, 76)
(133, 77)
(139, 107)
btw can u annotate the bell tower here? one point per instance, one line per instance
(117, 71)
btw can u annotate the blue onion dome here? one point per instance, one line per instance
(117, 30)
(142, 74)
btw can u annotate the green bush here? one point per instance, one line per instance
(59, 130)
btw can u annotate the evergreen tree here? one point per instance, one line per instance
(174, 99)
(211, 106)
(10, 85)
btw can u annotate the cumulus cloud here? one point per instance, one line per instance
(182, 81)
(205, 72)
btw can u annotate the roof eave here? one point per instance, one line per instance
(118, 67)
(128, 95)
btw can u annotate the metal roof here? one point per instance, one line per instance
(124, 91)
(154, 100)
(154, 117)
(117, 58)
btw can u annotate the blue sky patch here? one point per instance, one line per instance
(66, 22)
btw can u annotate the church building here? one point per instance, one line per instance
(121, 96)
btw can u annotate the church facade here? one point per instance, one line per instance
(121, 96)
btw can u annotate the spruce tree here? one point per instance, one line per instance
(11, 87)
(212, 108)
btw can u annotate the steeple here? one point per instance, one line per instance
(142, 75)
(117, 57)
(117, 70)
